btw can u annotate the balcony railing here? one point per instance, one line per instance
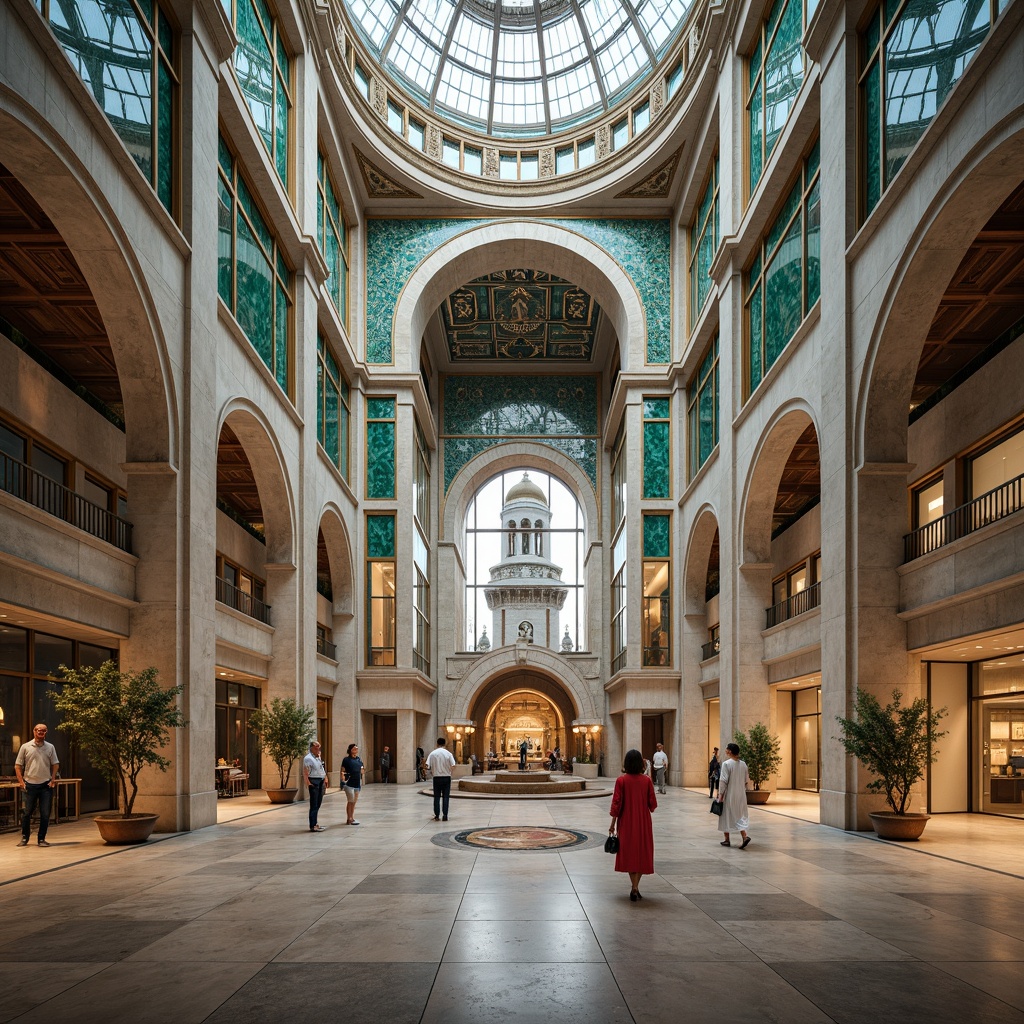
(808, 598)
(710, 649)
(242, 602)
(992, 506)
(326, 648)
(25, 483)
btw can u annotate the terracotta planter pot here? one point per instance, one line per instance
(281, 796)
(758, 796)
(118, 831)
(888, 825)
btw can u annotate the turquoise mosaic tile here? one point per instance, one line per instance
(380, 536)
(380, 462)
(394, 248)
(656, 459)
(657, 536)
(482, 411)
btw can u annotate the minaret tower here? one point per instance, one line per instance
(524, 594)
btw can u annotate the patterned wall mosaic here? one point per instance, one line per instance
(479, 412)
(394, 248)
(520, 314)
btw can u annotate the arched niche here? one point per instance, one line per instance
(698, 553)
(339, 555)
(270, 475)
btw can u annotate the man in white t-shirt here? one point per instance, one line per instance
(660, 763)
(440, 762)
(37, 767)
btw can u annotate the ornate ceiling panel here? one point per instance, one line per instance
(984, 299)
(520, 314)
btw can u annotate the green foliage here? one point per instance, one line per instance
(120, 719)
(285, 729)
(895, 742)
(760, 750)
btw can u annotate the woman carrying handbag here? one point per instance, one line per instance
(633, 800)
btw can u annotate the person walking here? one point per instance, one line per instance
(633, 800)
(440, 762)
(316, 782)
(714, 767)
(37, 767)
(523, 749)
(660, 763)
(421, 765)
(385, 766)
(352, 771)
(732, 791)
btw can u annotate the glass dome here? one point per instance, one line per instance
(518, 68)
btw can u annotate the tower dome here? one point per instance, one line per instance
(526, 490)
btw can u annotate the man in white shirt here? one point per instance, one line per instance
(37, 766)
(660, 763)
(440, 762)
(316, 782)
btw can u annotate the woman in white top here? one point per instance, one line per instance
(732, 791)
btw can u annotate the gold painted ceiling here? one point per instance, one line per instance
(520, 314)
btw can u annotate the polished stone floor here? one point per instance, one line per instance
(257, 920)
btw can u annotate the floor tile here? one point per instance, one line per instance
(85, 939)
(49, 979)
(522, 942)
(515, 906)
(755, 907)
(405, 883)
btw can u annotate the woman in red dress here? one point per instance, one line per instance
(632, 803)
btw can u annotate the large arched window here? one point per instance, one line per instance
(487, 539)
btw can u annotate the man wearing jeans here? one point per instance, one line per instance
(440, 762)
(316, 782)
(36, 767)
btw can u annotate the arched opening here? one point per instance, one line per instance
(518, 588)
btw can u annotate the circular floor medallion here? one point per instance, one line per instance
(520, 838)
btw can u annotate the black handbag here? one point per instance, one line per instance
(716, 807)
(611, 844)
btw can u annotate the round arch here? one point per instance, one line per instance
(764, 475)
(528, 682)
(339, 554)
(539, 663)
(270, 474)
(493, 247)
(698, 551)
(929, 261)
(515, 455)
(58, 182)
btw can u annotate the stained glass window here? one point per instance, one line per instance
(125, 52)
(783, 281)
(332, 407)
(912, 54)
(332, 237)
(702, 410)
(775, 72)
(380, 448)
(704, 238)
(657, 449)
(253, 278)
(263, 69)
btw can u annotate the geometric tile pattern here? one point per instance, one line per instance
(519, 314)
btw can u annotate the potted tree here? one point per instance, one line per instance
(284, 728)
(895, 743)
(760, 750)
(120, 719)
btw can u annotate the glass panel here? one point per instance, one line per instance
(620, 134)
(473, 160)
(783, 72)
(783, 294)
(586, 153)
(808, 728)
(756, 131)
(13, 648)
(508, 167)
(998, 465)
(254, 68)
(756, 332)
(417, 135)
(165, 137)
(813, 243)
(50, 653)
(255, 303)
(13, 727)
(396, 118)
(565, 160)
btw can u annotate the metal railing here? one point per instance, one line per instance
(242, 602)
(710, 649)
(326, 648)
(29, 485)
(990, 507)
(808, 598)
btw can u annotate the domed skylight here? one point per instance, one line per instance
(519, 67)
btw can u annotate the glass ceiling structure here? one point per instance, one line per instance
(518, 68)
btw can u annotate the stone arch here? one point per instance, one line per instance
(516, 455)
(270, 473)
(339, 554)
(539, 661)
(764, 474)
(539, 246)
(698, 551)
(57, 180)
(929, 261)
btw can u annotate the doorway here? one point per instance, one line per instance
(385, 734)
